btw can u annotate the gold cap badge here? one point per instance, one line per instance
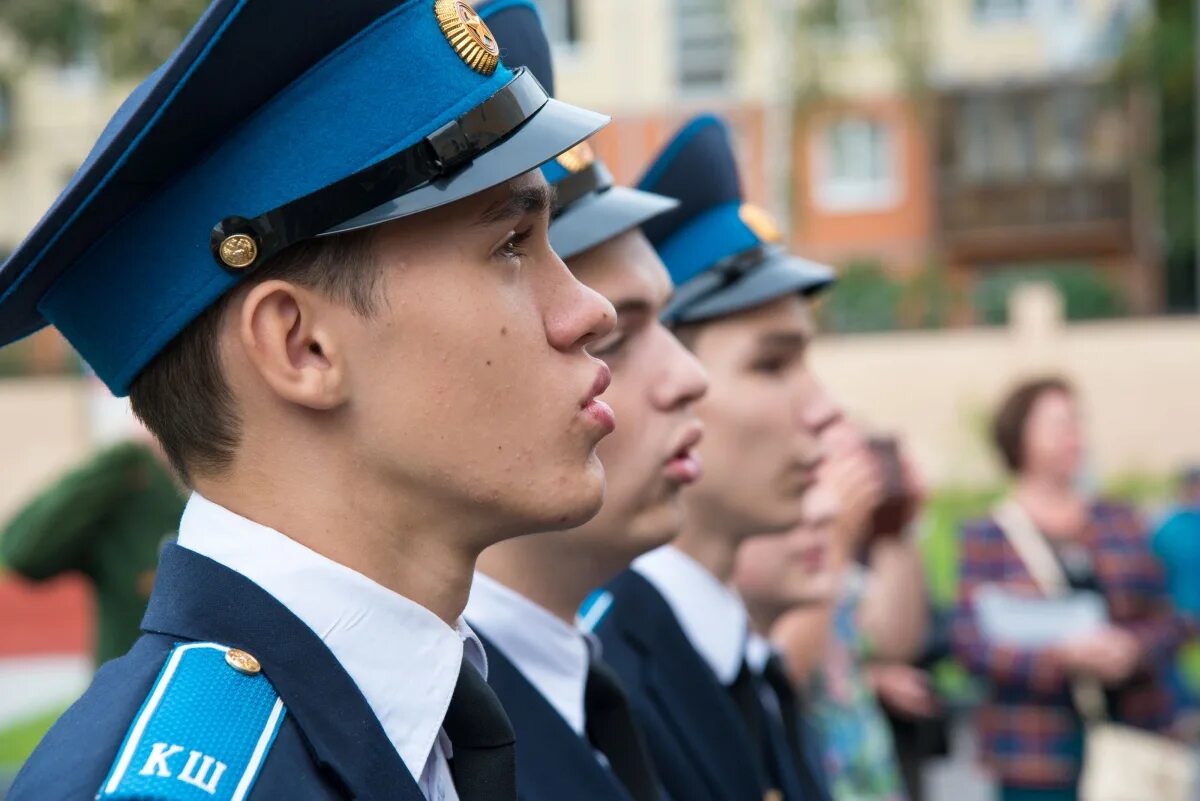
(239, 251)
(242, 662)
(577, 158)
(468, 35)
(760, 222)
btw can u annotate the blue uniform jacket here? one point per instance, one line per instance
(693, 729)
(553, 762)
(330, 745)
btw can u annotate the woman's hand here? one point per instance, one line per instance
(1111, 655)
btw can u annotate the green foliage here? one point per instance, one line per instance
(127, 38)
(18, 741)
(1087, 295)
(1163, 54)
(866, 300)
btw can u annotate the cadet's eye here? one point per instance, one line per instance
(771, 365)
(611, 346)
(514, 246)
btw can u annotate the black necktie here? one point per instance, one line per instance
(484, 764)
(777, 679)
(612, 731)
(744, 692)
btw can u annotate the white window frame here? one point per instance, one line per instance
(844, 194)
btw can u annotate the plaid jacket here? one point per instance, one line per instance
(1030, 734)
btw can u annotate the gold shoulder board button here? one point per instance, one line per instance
(242, 662)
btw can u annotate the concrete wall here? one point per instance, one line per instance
(1139, 381)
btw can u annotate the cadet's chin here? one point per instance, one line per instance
(577, 500)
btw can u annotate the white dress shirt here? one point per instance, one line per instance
(404, 659)
(552, 655)
(712, 615)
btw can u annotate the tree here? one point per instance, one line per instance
(127, 38)
(1164, 53)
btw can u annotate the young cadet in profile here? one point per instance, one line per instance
(575, 731)
(321, 270)
(674, 629)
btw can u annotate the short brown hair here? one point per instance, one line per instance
(182, 395)
(1008, 427)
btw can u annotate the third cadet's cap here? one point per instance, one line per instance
(590, 209)
(274, 122)
(724, 255)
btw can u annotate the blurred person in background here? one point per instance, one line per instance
(775, 574)
(107, 518)
(1177, 543)
(1031, 734)
(876, 614)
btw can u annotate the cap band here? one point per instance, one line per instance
(445, 150)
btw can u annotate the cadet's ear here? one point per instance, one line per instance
(287, 339)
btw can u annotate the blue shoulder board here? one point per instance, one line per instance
(593, 610)
(202, 733)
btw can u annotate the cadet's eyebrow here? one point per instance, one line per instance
(785, 339)
(537, 199)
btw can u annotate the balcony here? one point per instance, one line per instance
(1035, 172)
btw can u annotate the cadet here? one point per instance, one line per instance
(309, 249)
(565, 704)
(675, 631)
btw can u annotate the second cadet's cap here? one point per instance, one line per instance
(590, 209)
(724, 255)
(274, 122)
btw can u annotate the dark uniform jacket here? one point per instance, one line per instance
(553, 762)
(327, 742)
(694, 731)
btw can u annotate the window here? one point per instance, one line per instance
(996, 139)
(561, 20)
(855, 165)
(858, 18)
(705, 44)
(993, 10)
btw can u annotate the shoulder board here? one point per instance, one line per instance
(594, 609)
(202, 733)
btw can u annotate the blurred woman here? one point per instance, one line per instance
(1031, 734)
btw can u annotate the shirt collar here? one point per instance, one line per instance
(403, 658)
(758, 651)
(552, 655)
(712, 615)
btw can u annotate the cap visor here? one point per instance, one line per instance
(601, 216)
(777, 276)
(555, 128)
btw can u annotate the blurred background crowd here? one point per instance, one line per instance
(1008, 188)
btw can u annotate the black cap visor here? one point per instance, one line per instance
(598, 217)
(553, 129)
(717, 292)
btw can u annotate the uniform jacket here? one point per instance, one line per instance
(553, 761)
(329, 746)
(1030, 732)
(693, 730)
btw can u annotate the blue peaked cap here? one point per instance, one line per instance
(277, 119)
(591, 210)
(723, 254)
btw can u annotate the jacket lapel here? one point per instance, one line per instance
(553, 761)
(198, 599)
(684, 689)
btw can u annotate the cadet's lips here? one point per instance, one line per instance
(595, 410)
(684, 465)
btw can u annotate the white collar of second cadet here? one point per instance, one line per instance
(552, 655)
(712, 615)
(403, 657)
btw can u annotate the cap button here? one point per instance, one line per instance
(239, 251)
(242, 662)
